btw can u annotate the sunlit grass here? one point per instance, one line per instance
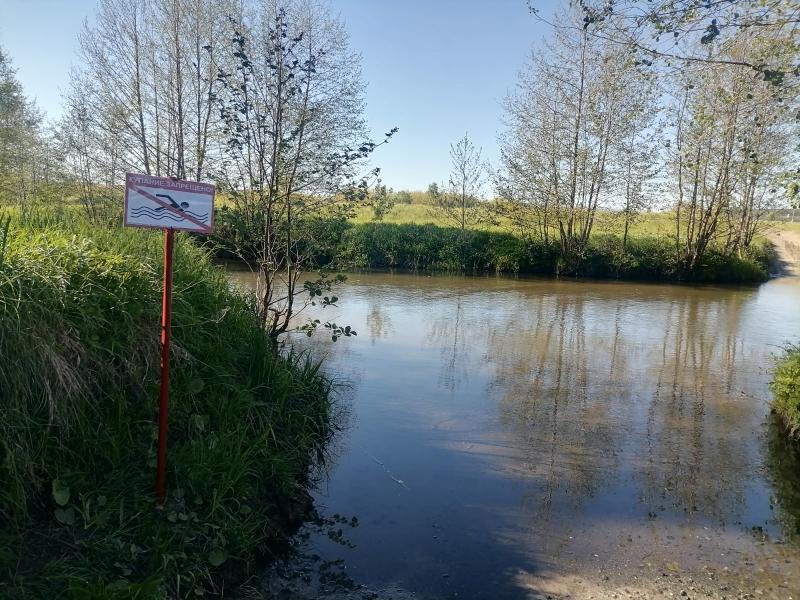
(653, 223)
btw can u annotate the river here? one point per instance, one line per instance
(533, 438)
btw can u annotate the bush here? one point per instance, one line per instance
(79, 326)
(340, 244)
(424, 247)
(786, 388)
(402, 197)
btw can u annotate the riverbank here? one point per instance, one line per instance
(343, 245)
(786, 389)
(79, 326)
(786, 258)
(786, 379)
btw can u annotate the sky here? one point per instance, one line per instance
(436, 69)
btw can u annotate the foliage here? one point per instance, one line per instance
(732, 142)
(403, 197)
(575, 125)
(786, 387)
(25, 164)
(689, 31)
(79, 313)
(422, 247)
(292, 138)
(381, 201)
(433, 192)
(460, 203)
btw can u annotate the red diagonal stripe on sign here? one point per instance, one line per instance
(168, 206)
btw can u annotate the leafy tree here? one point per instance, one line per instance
(403, 197)
(433, 192)
(381, 201)
(581, 106)
(20, 136)
(292, 136)
(732, 142)
(460, 204)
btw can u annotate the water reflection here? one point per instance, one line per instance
(379, 322)
(783, 466)
(556, 427)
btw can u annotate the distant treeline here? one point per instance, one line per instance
(340, 244)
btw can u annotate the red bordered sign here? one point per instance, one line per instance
(164, 203)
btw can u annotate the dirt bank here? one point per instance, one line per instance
(787, 248)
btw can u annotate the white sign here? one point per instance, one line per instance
(165, 203)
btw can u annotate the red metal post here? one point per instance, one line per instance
(163, 396)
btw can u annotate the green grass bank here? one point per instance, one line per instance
(79, 326)
(345, 245)
(786, 390)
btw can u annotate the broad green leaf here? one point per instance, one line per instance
(217, 556)
(60, 492)
(65, 516)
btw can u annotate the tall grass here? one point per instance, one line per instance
(79, 326)
(786, 390)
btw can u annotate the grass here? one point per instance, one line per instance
(647, 224)
(786, 390)
(79, 324)
(655, 223)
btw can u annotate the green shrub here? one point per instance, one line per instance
(786, 388)
(344, 245)
(79, 327)
(424, 247)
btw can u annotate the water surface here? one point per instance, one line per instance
(511, 436)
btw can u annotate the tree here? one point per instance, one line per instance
(380, 200)
(732, 141)
(636, 164)
(146, 77)
(290, 99)
(460, 204)
(402, 197)
(433, 192)
(263, 97)
(577, 104)
(20, 136)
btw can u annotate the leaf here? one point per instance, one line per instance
(65, 516)
(217, 556)
(60, 492)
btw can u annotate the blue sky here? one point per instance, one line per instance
(435, 68)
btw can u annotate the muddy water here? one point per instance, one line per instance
(519, 438)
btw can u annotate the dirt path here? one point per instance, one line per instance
(787, 247)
